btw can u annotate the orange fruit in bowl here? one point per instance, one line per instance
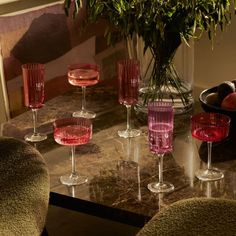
(229, 102)
(224, 89)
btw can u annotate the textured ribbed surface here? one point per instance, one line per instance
(24, 185)
(195, 217)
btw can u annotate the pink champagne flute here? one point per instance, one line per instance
(71, 132)
(160, 136)
(210, 127)
(83, 75)
(33, 83)
(128, 86)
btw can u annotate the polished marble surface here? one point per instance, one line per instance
(119, 169)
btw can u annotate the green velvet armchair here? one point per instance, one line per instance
(194, 217)
(24, 189)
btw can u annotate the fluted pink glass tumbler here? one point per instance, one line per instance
(83, 75)
(72, 131)
(33, 83)
(128, 89)
(160, 137)
(210, 127)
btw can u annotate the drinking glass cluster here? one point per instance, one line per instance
(77, 130)
(72, 131)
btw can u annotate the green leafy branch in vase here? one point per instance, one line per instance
(162, 25)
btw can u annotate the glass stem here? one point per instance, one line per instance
(209, 146)
(139, 184)
(73, 191)
(128, 116)
(83, 98)
(34, 112)
(129, 149)
(160, 167)
(73, 171)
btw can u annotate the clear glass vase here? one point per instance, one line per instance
(180, 70)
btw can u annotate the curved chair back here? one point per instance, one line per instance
(195, 217)
(24, 188)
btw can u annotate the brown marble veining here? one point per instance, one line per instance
(120, 169)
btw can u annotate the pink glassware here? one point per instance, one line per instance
(83, 75)
(210, 127)
(33, 83)
(72, 132)
(160, 136)
(128, 86)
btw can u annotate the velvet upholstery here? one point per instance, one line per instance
(194, 217)
(24, 189)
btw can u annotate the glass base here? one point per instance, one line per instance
(209, 175)
(129, 133)
(70, 180)
(170, 94)
(35, 137)
(165, 187)
(84, 113)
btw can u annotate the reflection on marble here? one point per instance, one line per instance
(119, 169)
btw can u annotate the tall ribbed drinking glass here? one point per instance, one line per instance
(160, 136)
(128, 85)
(33, 83)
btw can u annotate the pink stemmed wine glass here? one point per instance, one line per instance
(71, 132)
(160, 136)
(83, 75)
(210, 127)
(33, 83)
(128, 86)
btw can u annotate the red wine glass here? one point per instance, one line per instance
(33, 83)
(71, 132)
(210, 127)
(83, 75)
(128, 86)
(160, 136)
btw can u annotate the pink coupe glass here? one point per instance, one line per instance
(71, 132)
(33, 83)
(210, 127)
(83, 75)
(128, 85)
(160, 136)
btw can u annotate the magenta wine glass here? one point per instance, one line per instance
(210, 127)
(128, 85)
(83, 75)
(160, 136)
(72, 132)
(33, 83)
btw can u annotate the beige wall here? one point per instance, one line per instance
(17, 6)
(13, 8)
(211, 67)
(215, 66)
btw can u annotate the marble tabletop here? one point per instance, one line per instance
(119, 169)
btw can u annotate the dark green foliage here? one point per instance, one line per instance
(154, 19)
(163, 25)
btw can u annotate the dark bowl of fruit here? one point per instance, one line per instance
(220, 99)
